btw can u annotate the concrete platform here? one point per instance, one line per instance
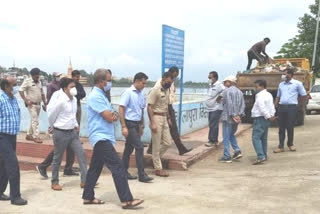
(31, 154)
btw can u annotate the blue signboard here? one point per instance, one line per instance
(172, 47)
(173, 55)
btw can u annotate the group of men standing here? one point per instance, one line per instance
(226, 104)
(64, 115)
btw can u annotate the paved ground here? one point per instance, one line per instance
(288, 183)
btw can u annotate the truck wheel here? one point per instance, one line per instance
(300, 118)
(308, 112)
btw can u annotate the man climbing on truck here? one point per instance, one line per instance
(256, 50)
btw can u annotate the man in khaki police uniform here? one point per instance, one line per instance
(32, 93)
(173, 126)
(158, 101)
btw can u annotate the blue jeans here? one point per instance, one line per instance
(260, 137)
(229, 129)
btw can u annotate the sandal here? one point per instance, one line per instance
(131, 204)
(94, 201)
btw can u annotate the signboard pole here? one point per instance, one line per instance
(181, 99)
(173, 55)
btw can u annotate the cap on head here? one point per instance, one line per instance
(230, 78)
(56, 74)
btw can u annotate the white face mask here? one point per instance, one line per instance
(283, 77)
(73, 91)
(209, 81)
(57, 79)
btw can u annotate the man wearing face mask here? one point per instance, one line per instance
(62, 117)
(158, 102)
(9, 167)
(214, 107)
(32, 93)
(287, 103)
(102, 138)
(233, 109)
(42, 168)
(132, 105)
(173, 125)
(109, 85)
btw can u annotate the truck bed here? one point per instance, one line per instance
(246, 81)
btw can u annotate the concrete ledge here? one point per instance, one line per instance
(31, 154)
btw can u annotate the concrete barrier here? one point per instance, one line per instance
(194, 117)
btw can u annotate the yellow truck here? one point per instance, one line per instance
(245, 82)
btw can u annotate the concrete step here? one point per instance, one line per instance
(31, 154)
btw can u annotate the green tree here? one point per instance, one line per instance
(301, 45)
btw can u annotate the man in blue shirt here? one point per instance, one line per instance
(102, 137)
(9, 128)
(132, 104)
(287, 101)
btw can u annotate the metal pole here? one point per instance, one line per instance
(316, 37)
(180, 105)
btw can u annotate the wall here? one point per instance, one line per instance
(194, 117)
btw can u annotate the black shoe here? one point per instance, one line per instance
(211, 143)
(145, 179)
(70, 173)
(4, 197)
(259, 161)
(131, 177)
(42, 171)
(19, 201)
(225, 160)
(185, 151)
(75, 169)
(237, 155)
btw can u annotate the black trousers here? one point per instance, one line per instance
(253, 55)
(214, 118)
(174, 132)
(104, 153)
(133, 142)
(287, 119)
(69, 160)
(9, 166)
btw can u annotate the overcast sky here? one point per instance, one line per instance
(125, 36)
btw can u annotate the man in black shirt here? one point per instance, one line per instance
(80, 93)
(256, 50)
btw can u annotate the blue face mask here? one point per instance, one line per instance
(108, 86)
(15, 90)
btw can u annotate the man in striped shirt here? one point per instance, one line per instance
(9, 128)
(233, 110)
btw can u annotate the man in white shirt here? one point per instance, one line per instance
(262, 113)
(214, 107)
(62, 117)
